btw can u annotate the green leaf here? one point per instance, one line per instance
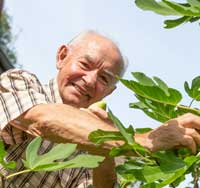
(31, 152)
(129, 166)
(156, 99)
(120, 150)
(142, 130)
(189, 161)
(194, 19)
(162, 85)
(194, 91)
(3, 161)
(157, 7)
(101, 136)
(194, 3)
(143, 79)
(125, 179)
(10, 165)
(60, 151)
(154, 93)
(178, 181)
(184, 10)
(83, 160)
(174, 23)
(168, 161)
(153, 113)
(2, 150)
(127, 133)
(154, 173)
(48, 161)
(117, 151)
(147, 81)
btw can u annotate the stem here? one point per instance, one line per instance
(189, 109)
(144, 158)
(17, 173)
(196, 177)
(191, 102)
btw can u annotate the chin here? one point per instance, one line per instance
(74, 103)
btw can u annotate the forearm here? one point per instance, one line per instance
(63, 123)
(104, 175)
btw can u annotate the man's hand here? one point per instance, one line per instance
(98, 110)
(178, 132)
(189, 120)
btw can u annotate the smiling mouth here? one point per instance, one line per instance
(81, 91)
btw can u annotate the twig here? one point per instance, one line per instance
(196, 177)
(17, 173)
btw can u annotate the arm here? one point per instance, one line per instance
(63, 123)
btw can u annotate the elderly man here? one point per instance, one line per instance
(87, 69)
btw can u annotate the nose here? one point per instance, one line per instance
(90, 79)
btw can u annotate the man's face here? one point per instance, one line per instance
(87, 71)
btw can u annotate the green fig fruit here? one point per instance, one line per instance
(101, 104)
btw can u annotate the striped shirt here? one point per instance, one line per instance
(19, 91)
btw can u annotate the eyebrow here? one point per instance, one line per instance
(110, 73)
(89, 58)
(92, 60)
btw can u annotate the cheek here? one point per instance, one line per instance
(70, 72)
(100, 91)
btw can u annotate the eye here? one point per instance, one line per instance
(85, 65)
(103, 79)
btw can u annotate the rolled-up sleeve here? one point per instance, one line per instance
(19, 91)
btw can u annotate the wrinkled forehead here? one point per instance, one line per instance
(100, 49)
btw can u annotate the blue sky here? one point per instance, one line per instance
(172, 55)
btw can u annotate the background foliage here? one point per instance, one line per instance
(6, 37)
(188, 11)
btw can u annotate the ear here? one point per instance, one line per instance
(62, 53)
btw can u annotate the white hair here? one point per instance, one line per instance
(82, 35)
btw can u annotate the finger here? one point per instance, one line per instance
(86, 110)
(189, 143)
(194, 134)
(99, 112)
(189, 120)
(89, 112)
